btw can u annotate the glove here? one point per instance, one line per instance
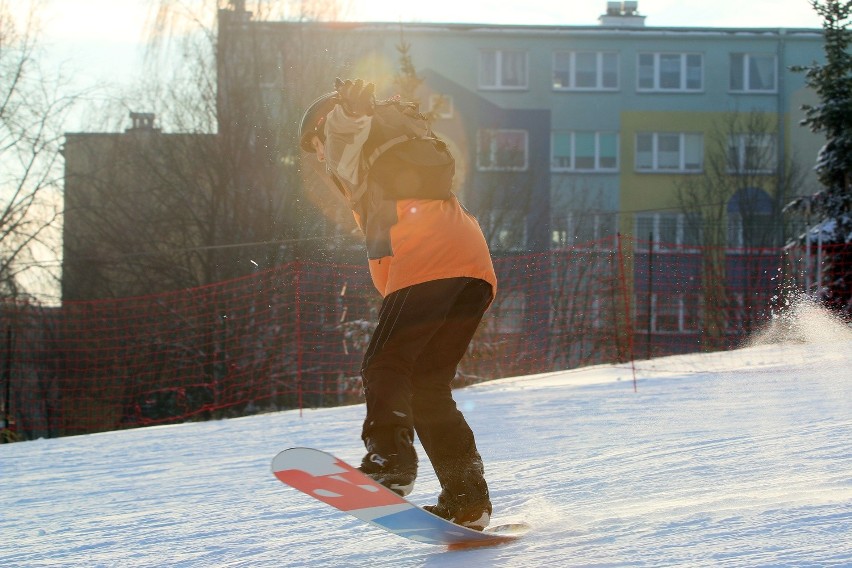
(357, 99)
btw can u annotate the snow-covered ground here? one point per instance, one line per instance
(729, 459)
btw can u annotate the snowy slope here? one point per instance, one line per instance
(729, 459)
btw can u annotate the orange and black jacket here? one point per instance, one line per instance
(410, 240)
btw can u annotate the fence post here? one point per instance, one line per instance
(6, 411)
(819, 260)
(628, 320)
(298, 308)
(650, 294)
(807, 256)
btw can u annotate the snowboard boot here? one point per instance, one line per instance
(391, 459)
(465, 501)
(473, 514)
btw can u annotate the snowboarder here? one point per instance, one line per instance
(430, 262)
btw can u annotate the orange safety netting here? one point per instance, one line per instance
(292, 337)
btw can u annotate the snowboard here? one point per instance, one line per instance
(333, 481)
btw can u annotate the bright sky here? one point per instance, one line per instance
(123, 20)
(101, 38)
(684, 13)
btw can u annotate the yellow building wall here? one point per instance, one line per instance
(651, 192)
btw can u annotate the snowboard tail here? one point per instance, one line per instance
(336, 483)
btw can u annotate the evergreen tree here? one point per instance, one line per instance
(408, 81)
(832, 117)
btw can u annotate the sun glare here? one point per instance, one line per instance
(96, 20)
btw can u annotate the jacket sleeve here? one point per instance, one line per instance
(344, 138)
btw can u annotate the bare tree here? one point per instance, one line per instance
(582, 311)
(32, 109)
(736, 204)
(228, 195)
(225, 193)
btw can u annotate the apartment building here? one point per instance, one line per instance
(572, 132)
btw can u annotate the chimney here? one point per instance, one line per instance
(239, 14)
(622, 15)
(142, 122)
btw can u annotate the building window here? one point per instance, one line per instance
(585, 70)
(506, 230)
(584, 151)
(750, 219)
(665, 231)
(583, 228)
(753, 73)
(666, 313)
(669, 313)
(669, 152)
(674, 72)
(502, 149)
(751, 154)
(502, 69)
(734, 312)
(755, 230)
(507, 313)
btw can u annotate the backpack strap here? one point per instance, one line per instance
(371, 159)
(404, 109)
(358, 193)
(385, 146)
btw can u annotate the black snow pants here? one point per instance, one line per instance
(422, 334)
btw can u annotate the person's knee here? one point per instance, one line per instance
(433, 392)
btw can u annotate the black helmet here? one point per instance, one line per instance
(314, 118)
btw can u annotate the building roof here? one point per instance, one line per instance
(540, 29)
